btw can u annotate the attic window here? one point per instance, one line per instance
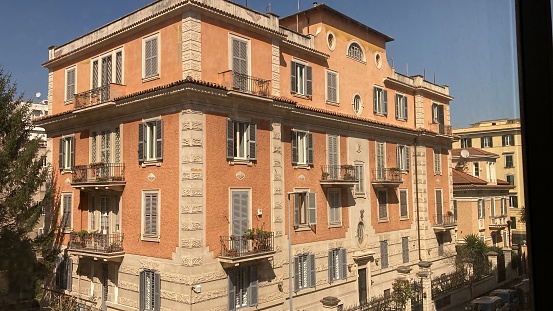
(331, 40)
(378, 60)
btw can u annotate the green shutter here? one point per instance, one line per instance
(230, 139)
(252, 144)
(296, 273)
(311, 208)
(310, 153)
(312, 270)
(293, 84)
(159, 139)
(308, 80)
(141, 142)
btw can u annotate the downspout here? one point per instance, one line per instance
(417, 200)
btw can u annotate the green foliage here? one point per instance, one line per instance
(523, 215)
(472, 257)
(402, 292)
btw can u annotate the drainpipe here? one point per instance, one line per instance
(417, 200)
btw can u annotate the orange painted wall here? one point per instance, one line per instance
(437, 181)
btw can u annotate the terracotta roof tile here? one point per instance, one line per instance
(456, 152)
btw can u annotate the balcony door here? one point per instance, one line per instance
(104, 214)
(240, 64)
(333, 159)
(439, 207)
(240, 218)
(380, 161)
(104, 73)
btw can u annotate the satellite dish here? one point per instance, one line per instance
(38, 94)
(464, 153)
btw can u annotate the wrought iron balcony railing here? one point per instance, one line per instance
(244, 83)
(339, 173)
(98, 95)
(246, 246)
(445, 220)
(98, 172)
(442, 128)
(386, 175)
(96, 242)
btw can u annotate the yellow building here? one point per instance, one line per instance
(502, 137)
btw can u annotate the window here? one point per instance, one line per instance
(302, 148)
(70, 83)
(337, 264)
(67, 153)
(476, 169)
(150, 55)
(466, 142)
(150, 141)
(492, 207)
(304, 271)
(359, 188)
(301, 79)
(241, 144)
(503, 206)
(403, 157)
(333, 156)
(455, 210)
(403, 209)
(355, 52)
(150, 219)
(103, 213)
(513, 201)
(382, 205)
(513, 222)
(242, 287)
(405, 249)
(64, 272)
(240, 213)
(508, 140)
(305, 209)
(149, 290)
(66, 218)
(104, 72)
(510, 179)
(440, 238)
(437, 113)
(331, 87)
(380, 161)
(486, 142)
(357, 104)
(387, 293)
(439, 206)
(240, 63)
(401, 107)
(509, 161)
(334, 205)
(437, 161)
(380, 100)
(481, 211)
(383, 254)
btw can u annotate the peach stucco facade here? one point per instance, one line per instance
(189, 122)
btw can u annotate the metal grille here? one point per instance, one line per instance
(119, 67)
(117, 145)
(93, 157)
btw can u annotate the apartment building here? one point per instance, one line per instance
(39, 110)
(502, 137)
(212, 157)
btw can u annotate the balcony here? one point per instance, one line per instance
(444, 222)
(442, 129)
(106, 247)
(339, 175)
(99, 95)
(498, 223)
(99, 175)
(386, 177)
(237, 249)
(244, 83)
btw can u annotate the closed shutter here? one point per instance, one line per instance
(331, 86)
(311, 208)
(159, 139)
(343, 263)
(405, 109)
(72, 152)
(157, 291)
(294, 143)
(230, 139)
(69, 274)
(147, 214)
(385, 102)
(240, 219)
(61, 163)
(331, 266)
(310, 151)
(405, 249)
(253, 288)
(308, 80)
(252, 135)
(407, 158)
(150, 58)
(380, 161)
(312, 270)
(232, 290)
(384, 254)
(142, 291)
(95, 74)
(382, 205)
(403, 202)
(293, 83)
(333, 157)
(70, 84)
(296, 273)
(439, 209)
(141, 142)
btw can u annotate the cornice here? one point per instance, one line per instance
(307, 49)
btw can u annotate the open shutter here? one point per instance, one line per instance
(385, 102)
(343, 263)
(312, 271)
(253, 288)
(311, 208)
(308, 80)
(232, 290)
(72, 152)
(294, 143)
(253, 152)
(375, 99)
(157, 290)
(142, 290)
(230, 139)
(407, 156)
(296, 273)
(69, 271)
(61, 155)
(296, 211)
(141, 142)
(293, 84)
(159, 139)
(398, 156)
(405, 249)
(330, 267)
(398, 105)
(310, 152)
(405, 109)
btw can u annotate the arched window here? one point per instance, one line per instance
(355, 52)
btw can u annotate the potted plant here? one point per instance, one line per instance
(325, 175)
(348, 176)
(82, 235)
(249, 234)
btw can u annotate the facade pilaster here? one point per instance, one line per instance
(191, 45)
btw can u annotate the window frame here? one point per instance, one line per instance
(508, 140)
(464, 141)
(357, 106)
(249, 137)
(66, 156)
(307, 148)
(328, 87)
(405, 249)
(68, 87)
(486, 142)
(337, 264)
(154, 75)
(380, 101)
(250, 274)
(150, 152)
(64, 273)
(382, 207)
(151, 236)
(384, 254)
(337, 213)
(359, 188)
(113, 75)
(402, 110)
(513, 198)
(437, 162)
(438, 113)
(481, 208)
(512, 177)
(304, 278)
(405, 204)
(359, 54)
(155, 288)
(308, 209)
(403, 157)
(509, 163)
(476, 169)
(306, 81)
(67, 212)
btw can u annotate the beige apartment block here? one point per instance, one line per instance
(503, 138)
(212, 157)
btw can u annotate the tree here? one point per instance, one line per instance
(523, 214)
(21, 175)
(472, 257)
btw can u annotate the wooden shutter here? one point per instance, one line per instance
(297, 206)
(232, 290)
(311, 208)
(141, 142)
(382, 205)
(253, 288)
(441, 114)
(407, 158)
(72, 152)
(375, 99)
(405, 249)
(384, 101)
(403, 202)
(439, 209)
(310, 153)
(61, 163)
(252, 135)
(308, 80)
(293, 84)
(239, 56)
(398, 156)
(405, 109)
(154, 213)
(312, 270)
(331, 86)
(151, 56)
(159, 139)
(333, 156)
(157, 291)
(384, 254)
(296, 273)
(70, 84)
(142, 290)
(294, 143)
(69, 274)
(398, 105)
(331, 266)
(148, 213)
(106, 70)
(240, 219)
(230, 139)
(343, 263)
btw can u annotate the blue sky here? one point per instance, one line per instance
(469, 45)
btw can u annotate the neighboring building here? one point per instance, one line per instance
(502, 137)
(480, 200)
(183, 124)
(39, 110)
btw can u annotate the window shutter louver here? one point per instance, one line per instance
(293, 84)
(294, 143)
(153, 215)
(159, 139)
(253, 152)
(405, 249)
(385, 102)
(148, 58)
(405, 108)
(141, 142)
(312, 270)
(330, 266)
(61, 154)
(311, 208)
(253, 288)
(309, 80)
(148, 214)
(142, 290)
(296, 273)
(398, 156)
(106, 70)
(154, 57)
(310, 153)
(72, 152)
(482, 142)
(157, 290)
(232, 290)
(230, 139)
(69, 271)
(398, 105)
(407, 157)
(296, 210)
(70, 86)
(375, 99)
(343, 263)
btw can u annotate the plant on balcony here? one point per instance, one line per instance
(348, 176)
(97, 164)
(325, 175)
